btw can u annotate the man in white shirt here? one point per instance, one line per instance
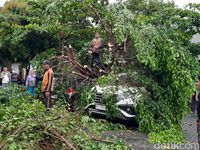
(5, 76)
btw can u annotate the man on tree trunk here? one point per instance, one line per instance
(95, 50)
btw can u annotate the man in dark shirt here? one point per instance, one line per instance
(14, 77)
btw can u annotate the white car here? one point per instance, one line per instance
(125, 99)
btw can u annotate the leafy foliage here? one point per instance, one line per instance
(23, 35)
(37, 61)
(9, 95)
(160, 39)
(110, 101)
(173, 68)
(107, 80)
(26, 124)
(87, 95)
(167, 136)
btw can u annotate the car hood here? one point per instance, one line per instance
(132, 95)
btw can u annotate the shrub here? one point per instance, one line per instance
(27, 124)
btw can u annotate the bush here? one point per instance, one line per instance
(172, 135)
(109, 79)
(27, 124)
(86, 95)
(13, 94)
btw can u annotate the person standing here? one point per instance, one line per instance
(5, 76)
(31, 82)
(47, 83)
(197, 98)
(14, 76)
(95, 50)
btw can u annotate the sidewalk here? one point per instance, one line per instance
(190, 128)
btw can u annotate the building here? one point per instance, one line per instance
(196, 38)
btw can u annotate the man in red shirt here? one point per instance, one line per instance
(47, 83)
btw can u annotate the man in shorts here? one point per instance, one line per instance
(47, 83)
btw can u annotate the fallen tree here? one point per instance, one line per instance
(84, 71)
(26, 124)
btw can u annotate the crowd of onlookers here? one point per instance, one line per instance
(30, 81)
(8, 77)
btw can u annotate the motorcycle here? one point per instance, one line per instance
(71, 94)
(70, 99)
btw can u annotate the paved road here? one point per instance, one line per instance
(133, 138)
(190, 129)
(139, 141)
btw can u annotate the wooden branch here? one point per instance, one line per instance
(62, 48)
(102, 71)
(82, 71)
(97, 67)
(62, 58)
(15, 132)
(80, 75)
(57, 118)
(78, 65)
(60, 64)
(54, 119)
(125, 42)
(70, 53)
(61, 138)
(102, 140)
(80, 68)
(90, 71)
(67, 143)
(84, 81)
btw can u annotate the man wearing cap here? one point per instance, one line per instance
(47, 83)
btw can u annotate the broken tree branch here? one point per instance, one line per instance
(65, 62)
(14, 133)
(125, 42)
(102, 140)
(67, 143)
(90, 71)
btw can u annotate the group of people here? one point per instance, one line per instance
(31, 81)
(7, 77)
(47, 83)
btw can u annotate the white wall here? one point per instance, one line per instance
(196, 38)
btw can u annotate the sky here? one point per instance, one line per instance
(2, 2)
(180, 3)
